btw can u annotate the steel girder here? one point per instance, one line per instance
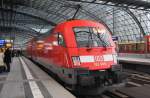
(15, 28)
(29, 15)
(135, 19)
(133, 4)
(124, 8)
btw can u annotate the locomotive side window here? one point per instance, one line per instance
(61, 40)
(92, 37)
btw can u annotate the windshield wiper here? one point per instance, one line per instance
(103, 42)
(90, 40)
(100, 38)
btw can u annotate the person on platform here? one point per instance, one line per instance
(7, 59)
(2, 65)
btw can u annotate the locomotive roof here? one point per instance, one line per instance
(78, 22)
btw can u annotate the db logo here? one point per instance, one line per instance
(98, 58)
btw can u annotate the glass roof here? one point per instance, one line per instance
(129, 20)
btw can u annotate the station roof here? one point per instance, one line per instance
(22, 20)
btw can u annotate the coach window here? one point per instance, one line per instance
(61, 40)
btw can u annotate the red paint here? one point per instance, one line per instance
(62, 56)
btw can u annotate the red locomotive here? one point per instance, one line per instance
(79, 52)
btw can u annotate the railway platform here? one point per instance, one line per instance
(26, 80)
(135, 60)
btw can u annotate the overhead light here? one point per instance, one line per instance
(8, 45)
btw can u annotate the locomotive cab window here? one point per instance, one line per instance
(92, 37)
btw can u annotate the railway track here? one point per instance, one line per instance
(138, 86)
(109, 94)
(137, 78)
(138, 82)
(114, 94)
(130, 92)
(140, 79)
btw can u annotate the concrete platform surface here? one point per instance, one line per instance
(135, 60)
(26, 80)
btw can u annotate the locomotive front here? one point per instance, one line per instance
(93, 55)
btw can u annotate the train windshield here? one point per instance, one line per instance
(92, 37)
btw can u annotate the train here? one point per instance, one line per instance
(80, 52)
(135, 49)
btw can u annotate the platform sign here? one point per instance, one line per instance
(114, 38)
(2, 42)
